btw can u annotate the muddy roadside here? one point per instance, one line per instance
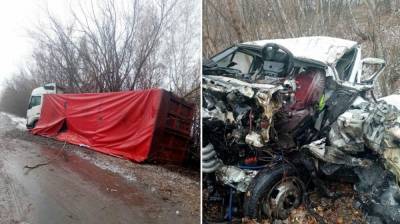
(173, 183)
(82, 186)
(319, 209)
(340, 210)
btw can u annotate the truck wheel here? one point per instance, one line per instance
(32, 126)
(273, 193)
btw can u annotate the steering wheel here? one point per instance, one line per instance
(278, 61)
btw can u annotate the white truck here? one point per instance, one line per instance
(35, 102)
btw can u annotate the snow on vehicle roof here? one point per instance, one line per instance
(392, 99)
(323, 49)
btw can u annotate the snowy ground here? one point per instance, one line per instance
(19, 122)
(392, 99)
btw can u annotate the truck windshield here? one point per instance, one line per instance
(35, 100)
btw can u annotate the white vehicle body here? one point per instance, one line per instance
(36, 101)
(329, 52)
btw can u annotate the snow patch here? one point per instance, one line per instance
(19, 122)
(114, 168)
(327, 50)
(392, 99)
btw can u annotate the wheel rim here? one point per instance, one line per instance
(282, 198)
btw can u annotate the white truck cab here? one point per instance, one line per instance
(36, 100)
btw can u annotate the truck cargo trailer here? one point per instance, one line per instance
(148, 125)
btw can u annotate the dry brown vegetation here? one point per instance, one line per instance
(373, 23)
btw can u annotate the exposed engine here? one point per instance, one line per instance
(248, 126)
(366, 138)
(268, 132)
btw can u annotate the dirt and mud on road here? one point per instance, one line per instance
(83, 186)
(340, 210)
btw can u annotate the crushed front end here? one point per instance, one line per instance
(276, 123)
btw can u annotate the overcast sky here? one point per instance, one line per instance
(16, 17)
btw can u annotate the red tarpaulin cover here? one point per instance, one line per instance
(120, 124)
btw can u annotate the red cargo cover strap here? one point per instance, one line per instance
(120, 124)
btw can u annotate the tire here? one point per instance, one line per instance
(262, 188)
(32, 126)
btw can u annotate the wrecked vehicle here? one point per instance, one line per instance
(279, 116)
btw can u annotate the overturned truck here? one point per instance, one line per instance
(148, 125)
(279, 116)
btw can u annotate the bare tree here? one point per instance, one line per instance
(105, 48)
(117, 45)
(182, 50)
(14, 94)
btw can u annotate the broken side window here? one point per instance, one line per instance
(345, 65)
(224, 62)
(242, 61)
